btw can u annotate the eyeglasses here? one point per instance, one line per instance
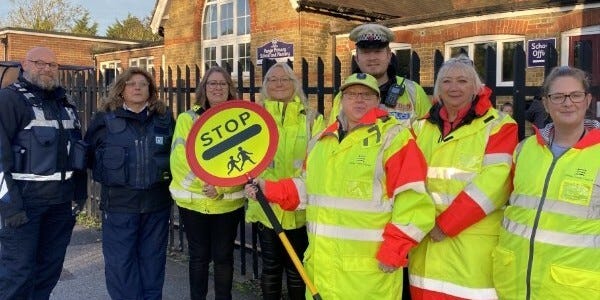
(42, 64)
(283, 80)
(560, 98)
(141, 84)
(356, 96)
(215, 84)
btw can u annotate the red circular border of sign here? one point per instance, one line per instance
(190, 145)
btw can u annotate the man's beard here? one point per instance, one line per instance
(46, 84)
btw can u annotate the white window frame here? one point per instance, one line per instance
(224, 40)
(565, 39)
(149, 65)
(498, 39)
(111, 64)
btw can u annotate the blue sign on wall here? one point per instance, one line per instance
(276, 50)
(537, 51)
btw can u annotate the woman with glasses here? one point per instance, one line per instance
(130, 141)
(209, 214)
(468, 146)
(283, 98)
(549, 245)
(363, 187)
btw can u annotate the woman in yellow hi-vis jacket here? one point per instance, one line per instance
(210, 214)
(549, 245)
(283, 98)
(468, 146)
(364, 193)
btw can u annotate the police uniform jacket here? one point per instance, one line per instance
(130, 157)
(37, 163)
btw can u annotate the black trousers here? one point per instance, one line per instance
(275, 259)
(210, 238)
(32, 255)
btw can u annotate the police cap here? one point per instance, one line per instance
(371, 36)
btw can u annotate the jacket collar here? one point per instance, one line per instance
(591, 137)
(369, 118)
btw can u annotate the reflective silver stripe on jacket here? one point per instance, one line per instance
(411, 230)
(183, 194)
(480, 198)
(351, 204)
(33, 177)
(497, 158)
(553, 237)
(178, 141)
(3, 185)
(559, 207)
(442, 199)
(450, 173)
(450, 288)
(345, 233)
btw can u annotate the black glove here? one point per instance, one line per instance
(16, 220)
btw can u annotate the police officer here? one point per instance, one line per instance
(403, 98)
(42, 163)
(131, 140)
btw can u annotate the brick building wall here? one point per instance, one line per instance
(69, 49)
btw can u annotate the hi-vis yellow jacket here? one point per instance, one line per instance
(549, 245)
(186, 188)
(296, 124)
(468, 178)
(365, 203)
(413, 104)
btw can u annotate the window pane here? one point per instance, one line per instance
(210, 22)
(133, 63)
(227, 57)
(456, 51)
(227, 19)
(244, 53)
(243, 18)
(403, 60)
(479, 59)
(508, 52)
(210, 57)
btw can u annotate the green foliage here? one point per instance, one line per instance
(132, 28)
(44, 15)
(82, 26)
(88, 220)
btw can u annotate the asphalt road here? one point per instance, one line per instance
(83, 273)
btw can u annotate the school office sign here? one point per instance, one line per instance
(537, 51)
(277, 50)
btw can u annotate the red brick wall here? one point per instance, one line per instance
(69, 51)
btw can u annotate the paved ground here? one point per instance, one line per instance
(83, 273)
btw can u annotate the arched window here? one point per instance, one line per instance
(226, 34)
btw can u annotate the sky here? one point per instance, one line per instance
(104, 12)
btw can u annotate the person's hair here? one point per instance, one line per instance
(201, 88)
(290, 73)
(507, 104)
(464, 65)
(115, 99)
(566, 71)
